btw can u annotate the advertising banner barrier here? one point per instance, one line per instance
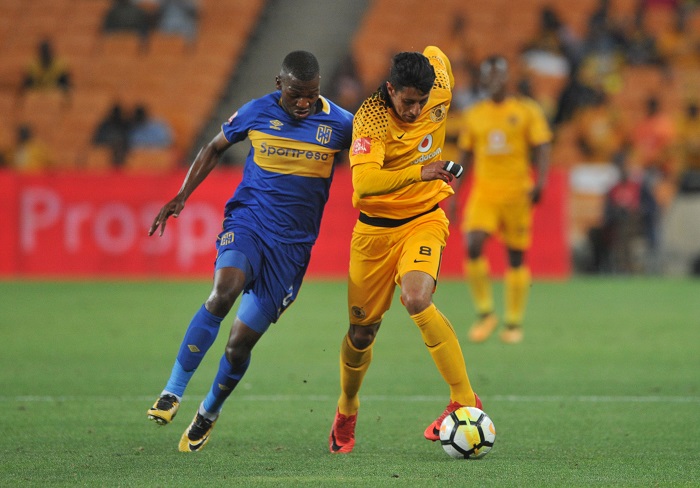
(96, 226)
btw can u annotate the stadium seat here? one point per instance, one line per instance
(143, 160)
(96, 159)
(121, 44)
(72, 45)
(164, 44)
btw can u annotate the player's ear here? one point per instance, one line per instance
(278, 82)
(390, 89)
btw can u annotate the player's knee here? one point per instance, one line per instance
(221, 301)
(416, 301)
(475, 244)
(474, 250)
(515, 258)
(237, 352)
(236, 356)
(362, 337)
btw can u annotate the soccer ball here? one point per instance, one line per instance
(467, 433)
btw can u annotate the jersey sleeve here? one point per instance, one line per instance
(236, 128)
(369, 132)
(370, 180)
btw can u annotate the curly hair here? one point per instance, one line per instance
(412, 69)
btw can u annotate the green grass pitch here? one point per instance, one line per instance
(605, 390)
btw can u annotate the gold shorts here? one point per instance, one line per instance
(511, 220)
(380, 256)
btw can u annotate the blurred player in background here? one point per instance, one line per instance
(498, 136)
(398, 180)
(270, 226)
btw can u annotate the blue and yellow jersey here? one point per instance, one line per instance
(382, 138)
(288, 171)
(501, 135)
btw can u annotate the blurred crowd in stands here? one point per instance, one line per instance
(170, 16)
(122, 129)
(629, 157)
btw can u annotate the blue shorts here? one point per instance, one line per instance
(275, 274)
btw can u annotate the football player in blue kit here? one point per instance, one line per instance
(270, 225)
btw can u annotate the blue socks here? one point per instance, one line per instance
(226, 380)
(199, 337)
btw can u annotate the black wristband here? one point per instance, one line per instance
(454, 168)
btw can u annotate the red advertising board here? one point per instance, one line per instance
(96, 226)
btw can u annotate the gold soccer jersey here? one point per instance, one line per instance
(500, 135)
(380, 138)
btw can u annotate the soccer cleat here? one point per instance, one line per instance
(164, 410)
(197, 434)
(342, 437)
(432, 433)
(483, 328)
(512, 335)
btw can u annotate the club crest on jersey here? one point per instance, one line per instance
(276, 124)
(323, 134)
(226, 239)
(358, 312)
(438, 114)
(361, 146)
(426, 144)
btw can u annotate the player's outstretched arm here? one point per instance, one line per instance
(206, 160)
(370, 179)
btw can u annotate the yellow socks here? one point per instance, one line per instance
(353, 366)
(479, 280)
(446, 352)
(517, 283)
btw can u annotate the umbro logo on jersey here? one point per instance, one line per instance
(276, 124)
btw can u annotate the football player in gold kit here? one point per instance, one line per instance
(398, 179)
(499, 135)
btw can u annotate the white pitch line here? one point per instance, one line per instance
(378, 398)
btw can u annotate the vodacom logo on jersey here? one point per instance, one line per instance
(426, 144)
(425, 148)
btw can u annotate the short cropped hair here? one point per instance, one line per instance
(412, 69)
(302, 65)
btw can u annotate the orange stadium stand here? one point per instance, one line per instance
(178, 81)
(503, 26)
